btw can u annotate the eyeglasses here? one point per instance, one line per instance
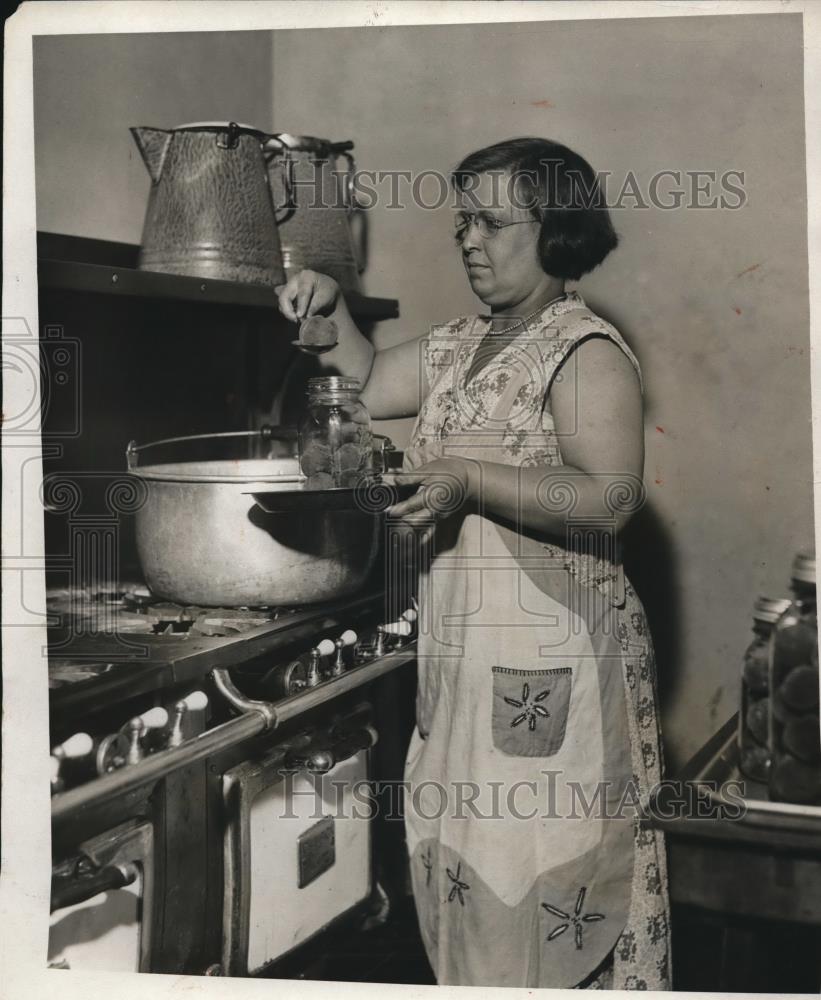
(488, 226)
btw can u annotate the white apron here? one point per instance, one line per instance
(520, 815)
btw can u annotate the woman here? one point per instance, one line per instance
(536, 710)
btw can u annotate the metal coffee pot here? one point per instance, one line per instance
(316, 232)
(210, 211)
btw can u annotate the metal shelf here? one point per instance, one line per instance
(101, 267)
(763, 824)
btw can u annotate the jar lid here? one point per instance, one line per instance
(333, 383)
(803, 567)
(770, 609)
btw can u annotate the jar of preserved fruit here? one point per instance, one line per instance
(335, 439)
(795, 775)
(753, 719)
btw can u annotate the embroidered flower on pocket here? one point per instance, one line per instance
(530, 710)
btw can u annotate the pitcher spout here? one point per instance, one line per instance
(153, 144)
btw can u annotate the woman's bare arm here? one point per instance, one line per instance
(597, 414)
(393, 380)
(397, 385)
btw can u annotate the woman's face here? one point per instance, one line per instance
(504, 269)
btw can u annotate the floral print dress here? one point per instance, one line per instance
(537, 734)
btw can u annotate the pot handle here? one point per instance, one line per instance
(356, 217)
(229, 139)
(271, 149)
(386, 454)
(266, 433)
(343, 149)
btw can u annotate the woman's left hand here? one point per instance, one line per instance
(444, 486)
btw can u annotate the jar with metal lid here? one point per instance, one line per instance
(795, 775)
(753, 719)
(335, 439)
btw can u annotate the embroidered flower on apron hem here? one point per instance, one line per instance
(576, 921)
(427, 863)
(458, 886)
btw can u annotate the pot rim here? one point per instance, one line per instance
(186, 472)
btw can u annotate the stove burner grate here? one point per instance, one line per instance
(133, 609)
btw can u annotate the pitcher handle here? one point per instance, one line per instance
(271, 149)
(349, 191)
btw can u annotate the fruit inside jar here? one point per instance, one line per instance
(335, 439)
(795, 739)
(753, 720)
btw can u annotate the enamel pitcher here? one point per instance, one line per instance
(210, 211)
(314, 179)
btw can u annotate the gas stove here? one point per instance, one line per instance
(132, 609)
(126, 670)
(174, 732)
(118, 643)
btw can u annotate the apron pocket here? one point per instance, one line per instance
(530, 710)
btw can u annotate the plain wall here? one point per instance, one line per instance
(715, 303)
(88, 90)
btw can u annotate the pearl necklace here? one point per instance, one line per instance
(524, 319)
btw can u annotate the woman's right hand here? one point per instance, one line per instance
(308, 294)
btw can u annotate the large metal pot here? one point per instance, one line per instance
(203, 540)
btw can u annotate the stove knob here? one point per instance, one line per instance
(410, 615)
(56, 780)
(135, 729)
(154, 718)
(348, 638)
(75, 746)
(194, 702)
(151, 739)
(323, 648)
(400, 629)
(75, 761)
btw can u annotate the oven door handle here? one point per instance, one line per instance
(66, 890)
(320, 757)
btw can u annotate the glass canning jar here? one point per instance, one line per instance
(335, 439)
(795, 775)
(753, 718)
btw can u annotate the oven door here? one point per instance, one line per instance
(297, 844)
(101, 902)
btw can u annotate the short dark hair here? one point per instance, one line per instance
(561, 190)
